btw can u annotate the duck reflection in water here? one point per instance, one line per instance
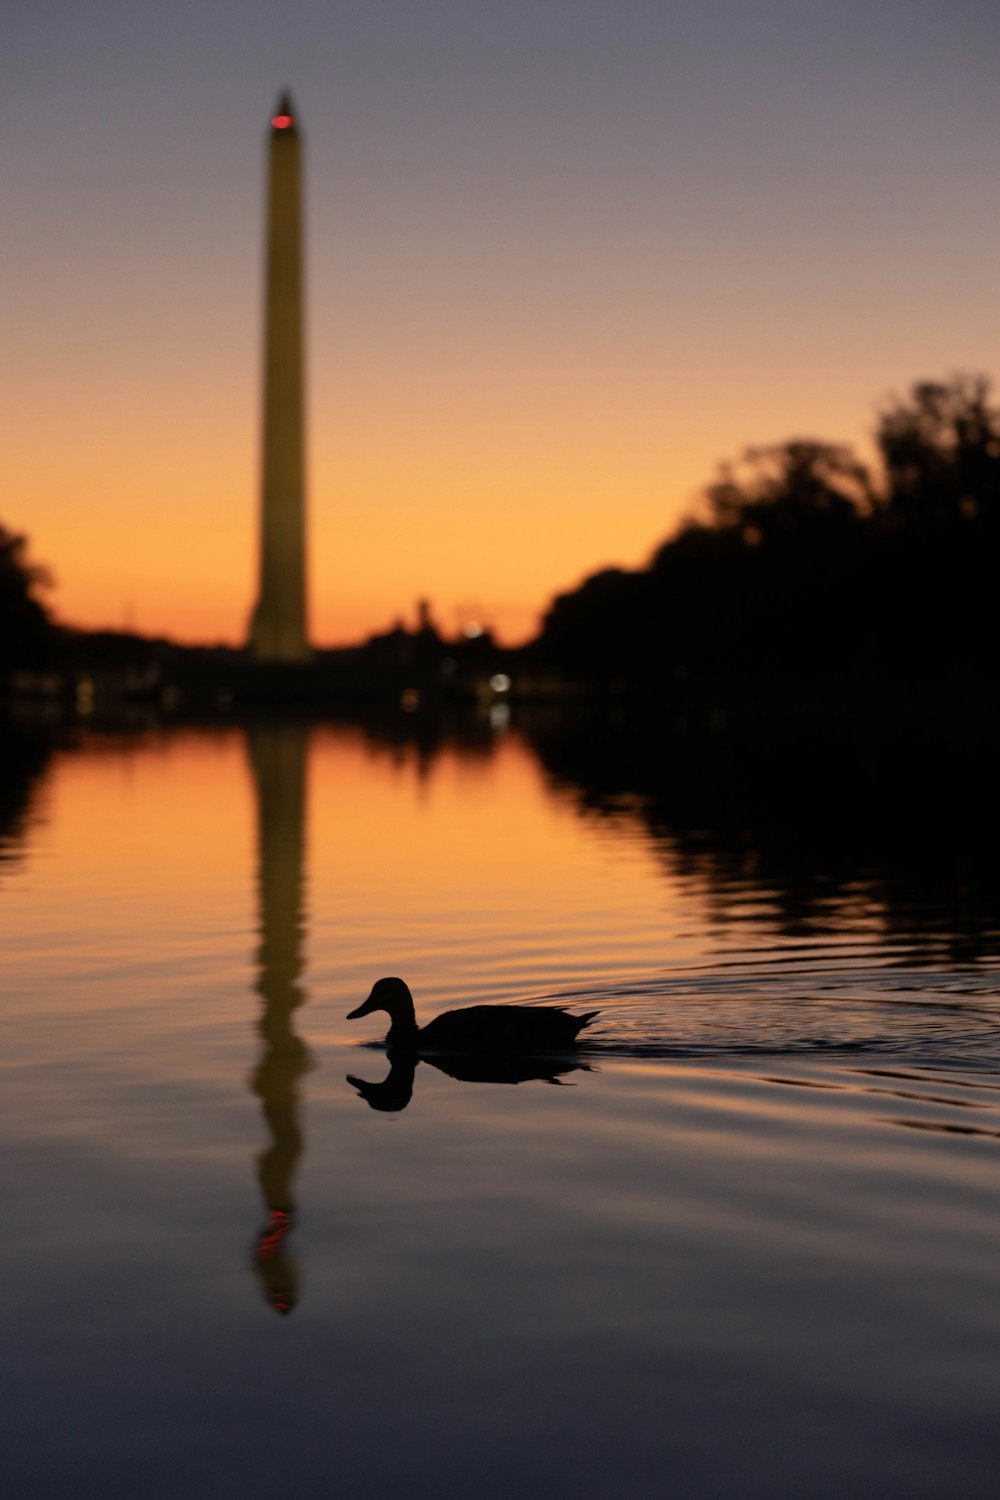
(480, 1044)
(277, 760)
(395, 1090)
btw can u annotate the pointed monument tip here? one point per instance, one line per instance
(284, 116)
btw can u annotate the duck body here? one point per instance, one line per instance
(500, 1028)
(503, 1029)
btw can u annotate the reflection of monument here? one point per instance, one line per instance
(278, 763)
(278, 624)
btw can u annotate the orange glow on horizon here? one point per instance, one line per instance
(483, 502)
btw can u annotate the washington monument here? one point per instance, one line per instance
(278, 622)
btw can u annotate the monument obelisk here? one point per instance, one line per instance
(278, 623)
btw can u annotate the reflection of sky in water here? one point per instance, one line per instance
(734, 1273)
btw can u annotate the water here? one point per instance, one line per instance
(746, 1243)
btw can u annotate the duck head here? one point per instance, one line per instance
(391, 995)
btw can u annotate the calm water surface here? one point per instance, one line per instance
(746, 1244)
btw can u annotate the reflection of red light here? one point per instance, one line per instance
(281, 122)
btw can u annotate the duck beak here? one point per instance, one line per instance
(365, 1009)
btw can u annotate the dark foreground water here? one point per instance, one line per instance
(747, 1246)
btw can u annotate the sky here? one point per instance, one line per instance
(563, 257)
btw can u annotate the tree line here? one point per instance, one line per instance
(805, 571)
(808, 570)
(27, 633)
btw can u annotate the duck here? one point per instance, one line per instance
(511, 1029)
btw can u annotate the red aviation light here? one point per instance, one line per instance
(282, 122)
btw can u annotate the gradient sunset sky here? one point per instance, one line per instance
(562, 257)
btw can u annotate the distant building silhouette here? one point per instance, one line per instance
(278, 624)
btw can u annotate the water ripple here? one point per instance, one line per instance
(751, 1007)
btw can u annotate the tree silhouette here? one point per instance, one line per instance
(805, 572)
(941, 454)
(26, 628)
(794, 490)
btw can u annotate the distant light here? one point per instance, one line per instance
(282, 122)
(499, 716)
(473, 630)
(500, 682)
(409, 700)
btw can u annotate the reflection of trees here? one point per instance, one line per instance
(824, 818)
(278, 763)
(423, 737)
(23, 758)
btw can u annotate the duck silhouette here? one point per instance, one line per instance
(526, 1030)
